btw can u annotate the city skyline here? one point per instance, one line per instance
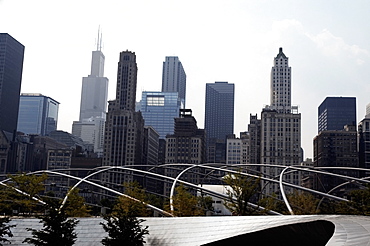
(326, 43)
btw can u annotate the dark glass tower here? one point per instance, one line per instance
(336, 112)
(11, 66)
(219, 118)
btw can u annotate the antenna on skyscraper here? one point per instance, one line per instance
(99, 43)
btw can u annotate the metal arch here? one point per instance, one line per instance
(336, 187)
(283, 192)
(174, 184)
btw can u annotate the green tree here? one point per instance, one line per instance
(185, 204)
(75, 205)
(124, 230)
(57, 229)
(5, 230)
(303, 202)
(360, 201)
(128, 207)
(242, 190)
(30, 185)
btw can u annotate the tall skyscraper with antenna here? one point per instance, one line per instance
(94, 92)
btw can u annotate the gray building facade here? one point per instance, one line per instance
(174, 77)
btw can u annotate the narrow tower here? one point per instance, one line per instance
(280, 94)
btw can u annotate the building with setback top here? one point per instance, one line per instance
(124, 128)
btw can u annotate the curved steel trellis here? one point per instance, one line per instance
(213, 167)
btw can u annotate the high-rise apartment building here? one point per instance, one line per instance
(280, 126)
(159, 110)
(219, 118)
(90, 127)
(124, 128)
(174, 77)
(38, 114)
(336, 112)
(11, 66)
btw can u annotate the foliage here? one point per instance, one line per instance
(31, 185)
(57, 229)
(75, 205)
(242, 190)
(360, 201)
(303, 203)
(124, 230)
(128, 207)
(272, 203)
(185, 204)
(5, 230)
(206, 204)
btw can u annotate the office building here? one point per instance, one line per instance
(336, 112)
(94, 88)
(254, 131)
(280, 127)
(90, 127)
(186, 145)
(335, 148)
(91, 131)
(38, 114)
(237, 149)
(11, 66)
(364, 144)
(174, 77)
(280, 84)
(159, 109)
(124, 128)
(219, 119)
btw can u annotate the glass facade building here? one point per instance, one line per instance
(159, 110)
(11, 66)
(38, 114)
(219, 110)
(336, 112)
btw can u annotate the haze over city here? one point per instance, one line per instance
(235, 41)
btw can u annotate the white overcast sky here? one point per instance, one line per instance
(327, 42)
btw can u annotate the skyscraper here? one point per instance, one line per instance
(124, 127)
(336, 112)
(90, 127)
(38, 114)
(11, 66)
(174, 77)
(159, 110)
(280, 126)
(280, 94)
(219, 118)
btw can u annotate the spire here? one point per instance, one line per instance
(281, 53)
